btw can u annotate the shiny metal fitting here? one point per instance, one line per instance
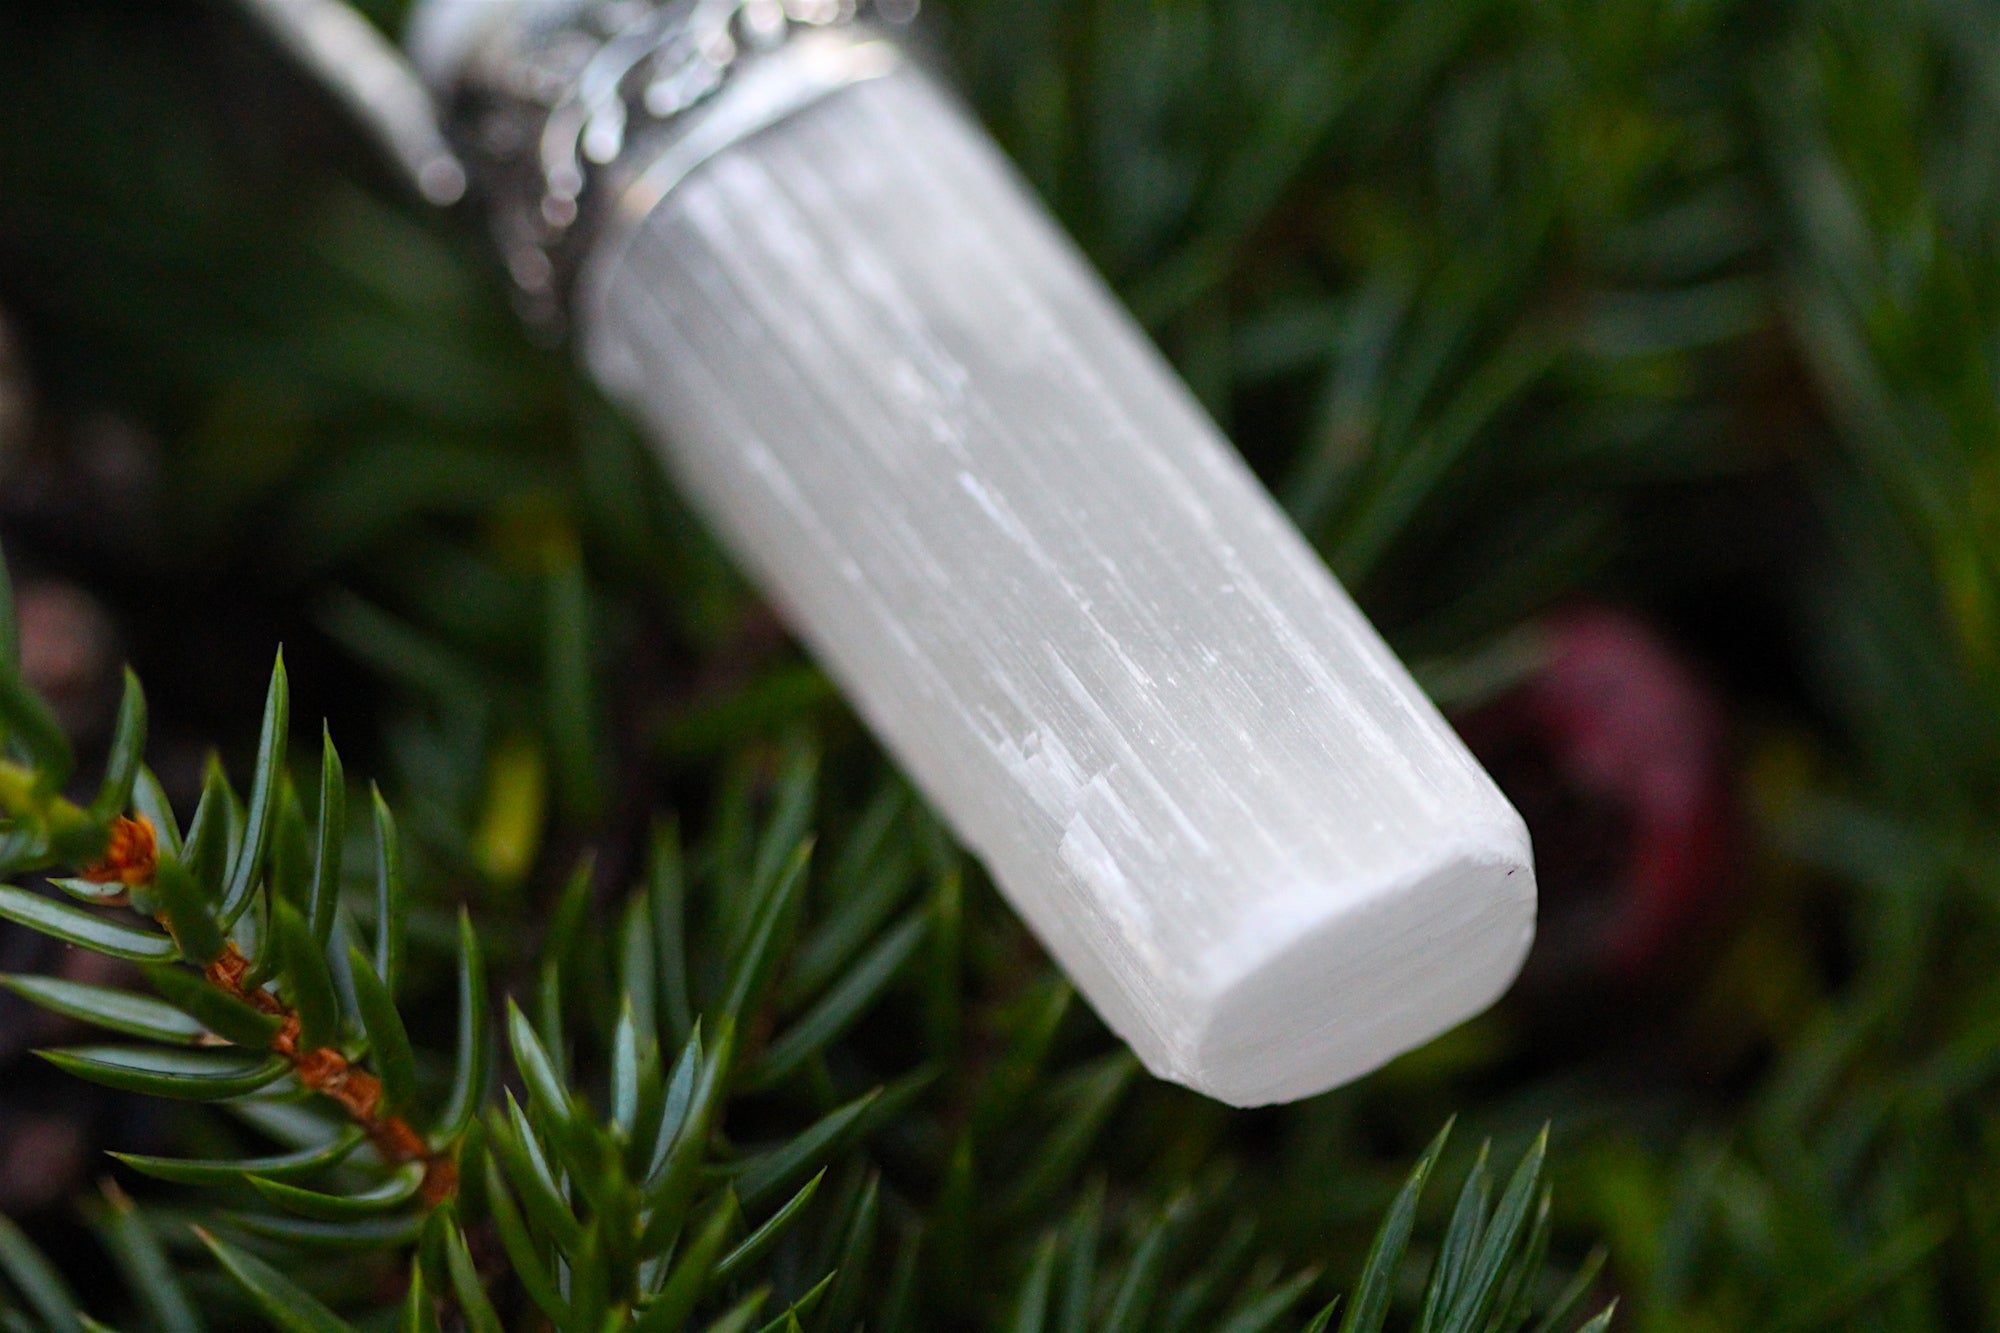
(555, 116)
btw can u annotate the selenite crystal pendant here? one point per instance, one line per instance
(970, 484)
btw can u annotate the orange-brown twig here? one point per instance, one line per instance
(130, 858)
(131, 854)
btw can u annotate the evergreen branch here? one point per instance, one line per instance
(133, 860)
(196, 902)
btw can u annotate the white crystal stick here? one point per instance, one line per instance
(1053, 590)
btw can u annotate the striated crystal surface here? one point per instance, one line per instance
(1061, 599)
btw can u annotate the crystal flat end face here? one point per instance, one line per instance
(1323, 1001)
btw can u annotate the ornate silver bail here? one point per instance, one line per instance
(552, 116)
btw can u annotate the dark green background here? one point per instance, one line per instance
(1680, 306)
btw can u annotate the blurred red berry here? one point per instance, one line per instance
(1614, 750)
